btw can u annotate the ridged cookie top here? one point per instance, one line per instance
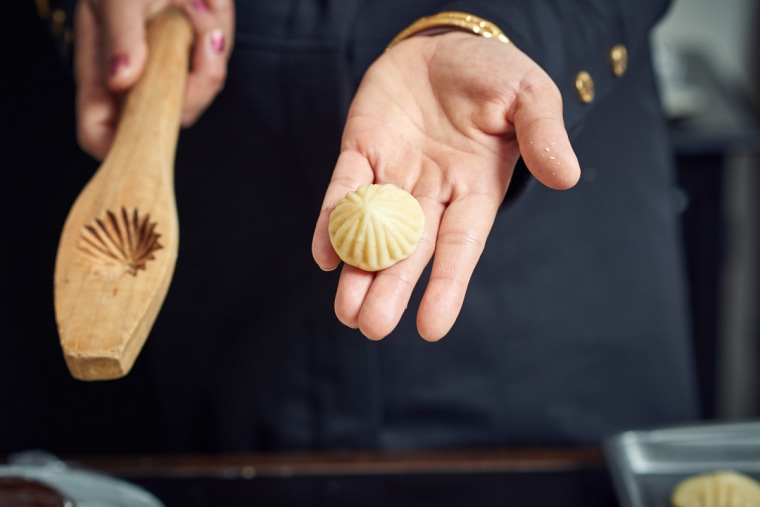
(376, 226)
(721, 488)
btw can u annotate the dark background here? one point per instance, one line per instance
(43, 171)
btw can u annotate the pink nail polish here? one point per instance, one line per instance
(117, 62)
(217, 41)
(199, 5)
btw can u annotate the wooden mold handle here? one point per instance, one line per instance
(152, 111)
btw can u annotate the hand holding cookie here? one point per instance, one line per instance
(434, 116)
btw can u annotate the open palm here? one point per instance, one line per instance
(445, 118)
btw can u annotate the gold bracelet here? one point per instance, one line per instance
(460, 20)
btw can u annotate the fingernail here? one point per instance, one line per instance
(199, 5)
(217, 41)
(117, 63)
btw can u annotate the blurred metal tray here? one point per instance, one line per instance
(86, 488)
(645, 465)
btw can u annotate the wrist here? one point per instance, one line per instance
(451, 21)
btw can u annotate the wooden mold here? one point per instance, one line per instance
(119, 243)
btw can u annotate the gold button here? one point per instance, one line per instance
(619, 59)
(59, 22)
(584, 85)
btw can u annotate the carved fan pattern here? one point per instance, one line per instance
(121, 239)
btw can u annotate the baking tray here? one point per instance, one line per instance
(645, 465)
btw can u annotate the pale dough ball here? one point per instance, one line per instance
(717, 489)
(376, 226)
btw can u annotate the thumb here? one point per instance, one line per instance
(541, 135)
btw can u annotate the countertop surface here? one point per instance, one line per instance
(509, 477)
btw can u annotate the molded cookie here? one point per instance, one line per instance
(376, 226)
(717, 489)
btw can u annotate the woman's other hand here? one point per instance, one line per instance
(111, 50)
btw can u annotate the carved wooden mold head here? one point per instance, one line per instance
(126, 240)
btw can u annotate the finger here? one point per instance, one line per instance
(214, 38)
(353, 286)
(461, 240)
(544, 143)
(96, 107)
(351, 170)
(388, 297)
(123, 29)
